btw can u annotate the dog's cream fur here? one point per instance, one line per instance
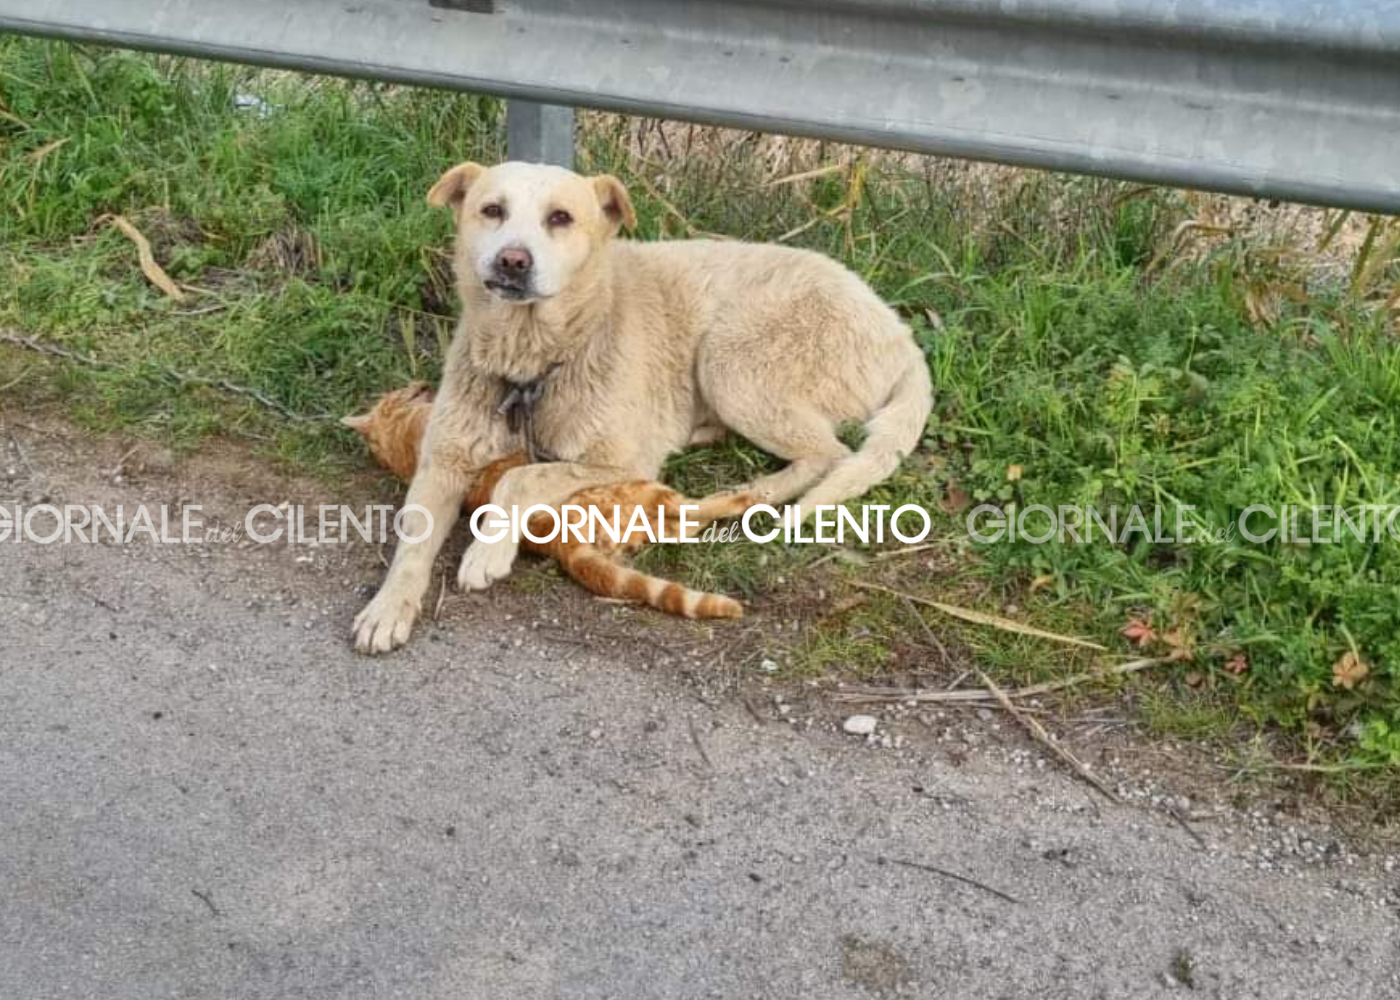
(660, 345)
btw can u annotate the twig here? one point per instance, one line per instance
(753, 712)
(16, 380)
(174, 375)
(207, 900)
(1181, 822)
(699, 747)
(928, 632)
(1038, 731)
(908, 550)
(980, 618)
(982, 694)
(442, 596)
(18, 450)
(833, 554)
(1325, 768)
(944, 873)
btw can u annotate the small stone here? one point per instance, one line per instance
(860, 725)
(768, 667)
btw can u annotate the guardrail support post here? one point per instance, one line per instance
(540, 133)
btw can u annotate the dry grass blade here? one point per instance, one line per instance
(7, 115)
(1191, 227)
(871, 695)
(945, 873)
(38, 155)
(16, 380)
(799, 230)
(1392, 300)
(153, 271)
(1331, 231)
(442, 597)
(675, 212)
(1044, 739)
(1382, 255)
(907, 550)
(993, 621)
(806, 175)
(934, 641)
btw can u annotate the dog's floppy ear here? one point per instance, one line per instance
(616, 204)
(452, 186)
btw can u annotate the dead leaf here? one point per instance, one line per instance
(1014, 473)
(1194, 679)
(1179, 645)
(1261, 304)
(849, 603)
(1349, 671)
(1042, 581)
(955, 498)
(1139, 631)
(1237, 664)
(153, 271)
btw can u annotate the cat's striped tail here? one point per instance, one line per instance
(598, 573)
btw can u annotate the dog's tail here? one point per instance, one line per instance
(890, 435)
(599, 573)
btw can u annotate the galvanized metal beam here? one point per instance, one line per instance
(1294, 99)
(540, 133)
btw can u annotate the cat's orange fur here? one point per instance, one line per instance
(395, 425)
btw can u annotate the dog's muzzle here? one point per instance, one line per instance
(512, 274)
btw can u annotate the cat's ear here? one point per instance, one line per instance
(356, 421)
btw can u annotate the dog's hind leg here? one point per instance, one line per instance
(803, 436)
(892, 432)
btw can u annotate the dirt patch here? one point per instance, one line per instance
(876, 967)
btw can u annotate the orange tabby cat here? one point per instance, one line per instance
(394, 427)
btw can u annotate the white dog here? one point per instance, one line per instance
(615, 354)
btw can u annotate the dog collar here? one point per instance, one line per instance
(518, 407)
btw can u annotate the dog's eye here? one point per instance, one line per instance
(559, 217)
(493, 211)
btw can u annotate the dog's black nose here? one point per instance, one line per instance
(514, 261)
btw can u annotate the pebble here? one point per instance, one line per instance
(860, 725)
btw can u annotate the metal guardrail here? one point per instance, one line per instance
(1291, 99)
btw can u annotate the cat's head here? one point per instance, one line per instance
(394, 426)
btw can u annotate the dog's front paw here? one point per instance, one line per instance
(385, 624)
(484, 563)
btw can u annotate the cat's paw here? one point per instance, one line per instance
(486, 562)
(385, 624)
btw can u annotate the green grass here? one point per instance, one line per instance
(1067, 331)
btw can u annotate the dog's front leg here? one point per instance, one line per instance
(549, 483)
(385, 624)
